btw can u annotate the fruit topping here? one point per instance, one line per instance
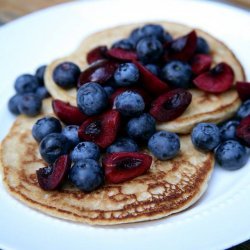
(45, 126)
(101, 129)
(85, 150)
(26, 84)
(182, 48)
(129, 103)
(126, 74)
(170, 105)
(98, 53)
(243, 130)
(123, 144)
(201, 63)
(42, 92)
(87, 175)
(141, 128)
(244, 110)
(67, 113)
(125, 44)
(219, 79)
(122, 54)
(243, 89)
(109, 90)
(66, 75)
(151, 82)
(177, 74)
(99, 72)
(71, 133)
(40, 74)
(149, 50)
(202, 46)
(51, 177)
(124, 166)
(153, 68)
(13, 104)
(205, 136)
(228, 130)
(164, 145)
(231, 155)
(91, 99)
(52, 146)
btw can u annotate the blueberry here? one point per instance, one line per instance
(228, 130)
(205, 136)
(167, 38)
(153, 30)
(92, 98)
(123, 145)
(109, 90)
(52, 146)
(202, 46)
(164, 145)
(30, 104)
(244, 110)
(85, 150)
(126, 74)
(178, 74)
(40, 74)
(231, 155)
(45, 126)
(42, 92)
(13, 104)
(154, 69)
(149, 50)
(86, 175)
(66, 74)
(141, 128)
(26, 84)
(71, 133)
(135, 36)
(125, 44)
(129, 103)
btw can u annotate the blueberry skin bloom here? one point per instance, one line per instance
(91, 98)
(125, 44)
(164, 145)
(45, 126)
(66, 74)
(26, 84)
(149, 50)
(129, 103)
(71, 133)
(30, 104)
(231, 155)
(85, 150)
(153, 30)
(244, 110)
(40, 74)
(141, 128)
(202, 46)
(126, 74)
(228, 130)
(52, 146)
(178, 74)
(123, 145)
(86, 175)
(205, 136)
(13, 104)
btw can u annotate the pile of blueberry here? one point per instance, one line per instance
(30, 91)
(125, 90)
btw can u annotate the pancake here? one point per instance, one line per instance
(169, 186)
(204, 107)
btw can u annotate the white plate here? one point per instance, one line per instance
(219, 220)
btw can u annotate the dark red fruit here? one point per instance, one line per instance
(152, 83)
(101, 129)
(99, 72)
(124, 166)
(98, 53)
(122, 54)
(243, 131)
(201, 63)
(170, 105)
(219, 79)
(67, 113)
(243, 89)
(182, 48)
(51, 177)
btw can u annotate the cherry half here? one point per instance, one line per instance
(243, 89)
(122, 54)
(243, 130)
(201, 63)
(98, 53)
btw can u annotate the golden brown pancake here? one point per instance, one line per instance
(204, 107)
(169, 186)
